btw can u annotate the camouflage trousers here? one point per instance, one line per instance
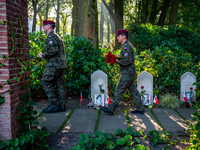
(126, 81)
(51, 77)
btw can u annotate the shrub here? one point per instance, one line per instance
(170, 101)
(166, 65)
(151, 36)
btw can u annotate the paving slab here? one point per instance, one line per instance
(109, 123)
(146, 121)
(82, 120)
(52, 121)
(186, 113)
(170, 120)
(40, 106)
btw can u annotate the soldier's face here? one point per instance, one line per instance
(45, 28)
(121, 38)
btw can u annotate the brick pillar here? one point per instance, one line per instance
(10, 10)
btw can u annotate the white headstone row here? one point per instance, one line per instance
(144, 85)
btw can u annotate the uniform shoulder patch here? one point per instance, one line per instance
(125, 48)
(125, 54)
(49, 36)
(51, 42)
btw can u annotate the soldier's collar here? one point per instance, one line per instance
(50, 33)
(125, 42)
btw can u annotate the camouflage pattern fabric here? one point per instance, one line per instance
(127, 78)
(55, 51)
(55, 70)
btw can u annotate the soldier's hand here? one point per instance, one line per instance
(39, 55)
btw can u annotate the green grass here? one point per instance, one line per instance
(127, 117)
(181, 116)
(97, 121)
(38, 115)
(62, 126)
(152, 112)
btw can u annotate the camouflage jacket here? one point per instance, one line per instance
(127, 57)
(55, 51)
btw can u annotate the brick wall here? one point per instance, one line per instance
(10, 10)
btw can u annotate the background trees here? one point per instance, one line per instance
(113, 15)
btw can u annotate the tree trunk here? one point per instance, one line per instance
(154, 12)
(47, 10)
(101, 23)
(40, 17)
(85, 20)
(144, 12)
(163, 14)
(173, 12)
(111, 14)
(58, 16)
(34, 14)
(118, 7)
(139, 11)
(72, 25)
(108, 24)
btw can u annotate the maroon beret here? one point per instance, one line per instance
(121, 32)
(48, 22)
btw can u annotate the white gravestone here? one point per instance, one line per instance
(187, 80)
(145, 79)
(99, 78)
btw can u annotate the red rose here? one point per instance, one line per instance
(113, 57)
(142, 87)
(191, 88)
(112, 62)
(109, 53)
(99, 105)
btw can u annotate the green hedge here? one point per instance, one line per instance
(152, 36)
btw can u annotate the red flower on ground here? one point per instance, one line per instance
(191, 88)
(142, 87)
(100, 106)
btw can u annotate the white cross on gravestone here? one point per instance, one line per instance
(98, 78)
(145, 79)
(187, 80)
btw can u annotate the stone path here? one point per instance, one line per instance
(84, 120)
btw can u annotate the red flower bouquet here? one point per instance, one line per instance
(110, 58)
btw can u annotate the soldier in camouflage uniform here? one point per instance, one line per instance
(55, 69)
(127, 78)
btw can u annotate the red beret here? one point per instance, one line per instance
(48, 22)
(121, 32)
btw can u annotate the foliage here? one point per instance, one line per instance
(36, 45)
(170, 101)
(175, 37)
(31, 139)
(189, 18)
(166, 64)
(194, 129)
(108, 140)
(197, 89)
(157, 137)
